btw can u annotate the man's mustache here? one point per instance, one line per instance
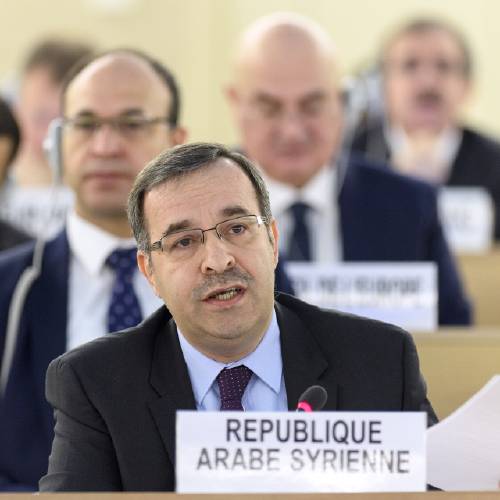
(429, 97)
(228, 277)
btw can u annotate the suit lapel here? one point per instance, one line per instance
(170, 379)
(46, 308)
(303, 363)
(352, 221)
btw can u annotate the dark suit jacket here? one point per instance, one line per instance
(115, 398)
(477, 163)
(11, 236)
(26, 421)
(385, 216)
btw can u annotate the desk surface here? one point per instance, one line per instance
(296, 496)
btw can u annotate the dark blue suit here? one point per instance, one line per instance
(477, 162)
(26, 421)
(387, 217)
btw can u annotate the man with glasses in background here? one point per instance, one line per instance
(208, 245)
(427, 71)
(120, 110)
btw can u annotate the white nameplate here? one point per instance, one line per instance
(468, 217)
(404, 294)
(259, 452)
(38, 211)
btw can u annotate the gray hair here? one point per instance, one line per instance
(180, 161)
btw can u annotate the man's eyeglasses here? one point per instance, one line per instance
(442, 67)
(128, 127)
(184, 243)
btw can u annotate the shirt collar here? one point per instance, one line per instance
(265, 361)
(317, 193)
(91, 245)
(446, 145)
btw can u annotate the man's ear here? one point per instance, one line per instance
(178, 136)
(145, 264)
(468, 91)
(232, 95)
(275, 239)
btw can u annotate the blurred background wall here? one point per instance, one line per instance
(195, 38)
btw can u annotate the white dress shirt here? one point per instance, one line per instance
(320, 194)
(91, 281)
(430, 161)
(266, 389)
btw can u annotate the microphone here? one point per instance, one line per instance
(312, 399)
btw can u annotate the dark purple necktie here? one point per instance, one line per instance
(232, 384)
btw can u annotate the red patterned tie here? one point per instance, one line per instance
(232, 384)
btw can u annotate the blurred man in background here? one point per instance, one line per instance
(29, 201)
(285, 99)
(120, 110)
(427, 72)
(9, 144)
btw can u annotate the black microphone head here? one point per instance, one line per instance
(312, 399)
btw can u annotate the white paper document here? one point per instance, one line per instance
(463, 451)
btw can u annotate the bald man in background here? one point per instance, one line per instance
(285, 100)
(120, 110)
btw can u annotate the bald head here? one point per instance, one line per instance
(130, 58)
(118, 67)
(280, 41)
(284, 97)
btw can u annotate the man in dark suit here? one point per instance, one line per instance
(427, 75)
(121, 109)
(208, 245)
(9, 145)
(286, 105)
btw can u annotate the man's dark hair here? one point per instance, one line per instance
(181, 161)
(57, 56)
(161, 70)
(9, 128)
(425, 25)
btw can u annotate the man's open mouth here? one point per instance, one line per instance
(227, 294)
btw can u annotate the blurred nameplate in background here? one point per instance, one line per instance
(468, 218)
(39, 211)
(464, 449)
(259, 452)
(404, 294)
